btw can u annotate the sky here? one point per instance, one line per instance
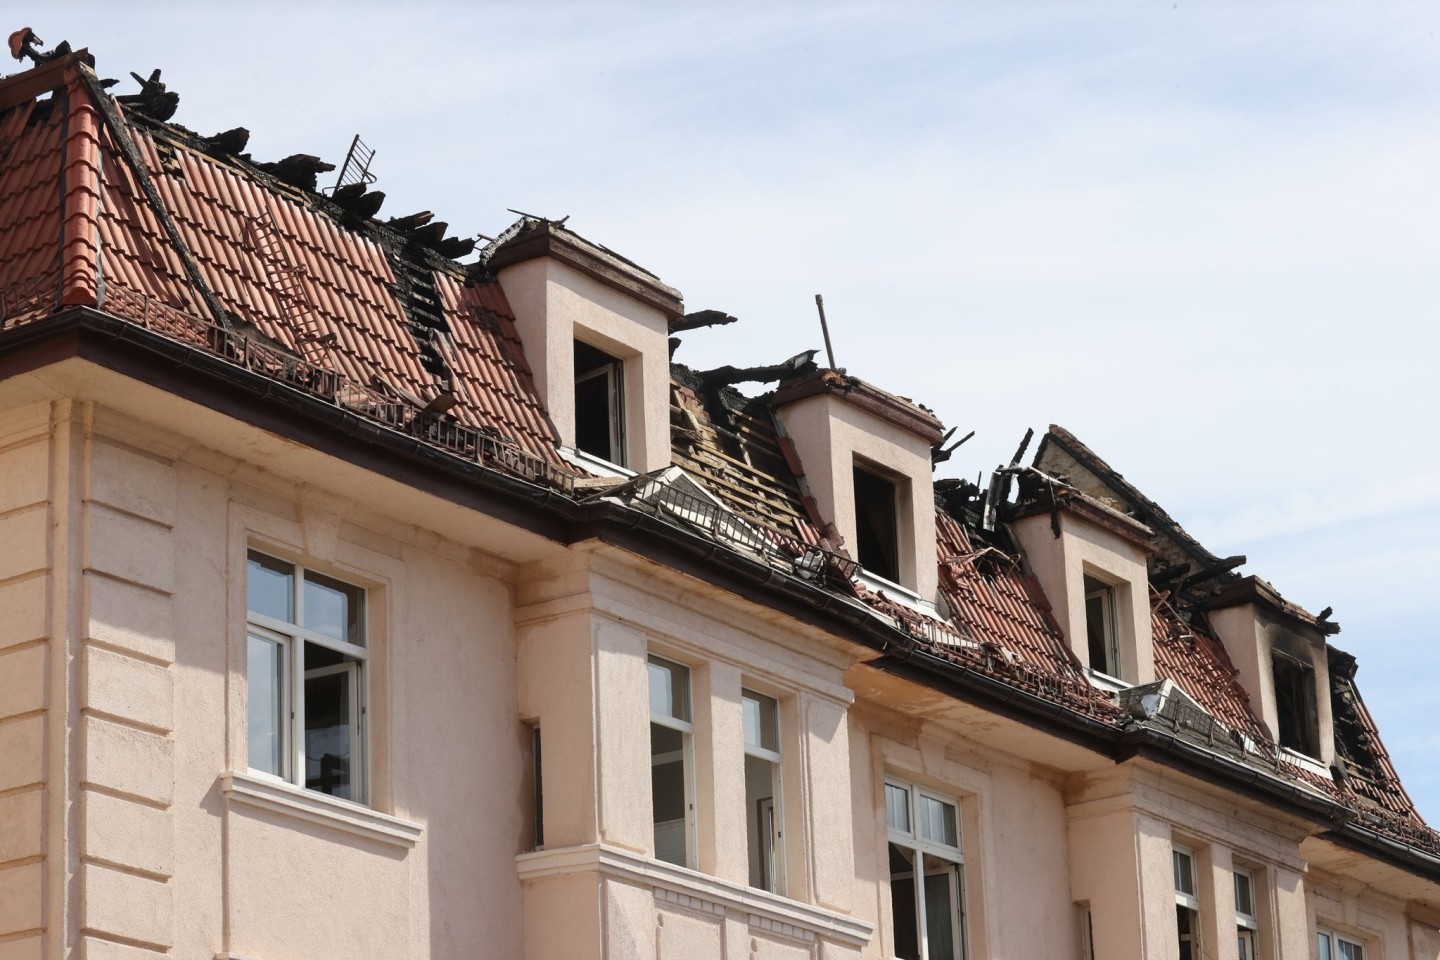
(1201, 236)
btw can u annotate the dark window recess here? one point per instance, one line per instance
(1295, 705)
(599, 404)
(876, 530)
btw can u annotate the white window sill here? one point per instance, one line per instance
(697, 891)
(265, 793)
(894, 591)
(595, 465)
(1106, 682)
(1305, 762)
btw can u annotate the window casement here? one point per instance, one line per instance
(927, 883)
(764, 815)
(877, 528)
(599, 404)
(1247, 925)
(1187, 904)
(1337, 946)
(672, 766)
(1297, 721)
(305, 675)
(1102, 628)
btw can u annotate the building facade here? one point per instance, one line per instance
(355, 601)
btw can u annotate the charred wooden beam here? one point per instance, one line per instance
(701, 318)
(940, 453)
(801, 363)
(228, 142)
(299, 170)
(153, 100)
(1212, 571)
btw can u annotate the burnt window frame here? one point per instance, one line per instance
(1297, 725)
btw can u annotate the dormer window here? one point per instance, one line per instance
(1101, 627)
(599, 404)
(877, 532)
(1296, 718)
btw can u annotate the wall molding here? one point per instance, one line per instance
(291, 801)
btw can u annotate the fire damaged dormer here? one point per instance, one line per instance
(866, 455)
(1091, 561)
(595, 329)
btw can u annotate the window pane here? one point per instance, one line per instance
(1189, 933)
(1243, 901)
(669, 689)
(762, 830)
(902, 904)
(333, 609)
(1325, 946)
(269, 587)
(761, 721)
(265, 679)
(1350, 951)
(937, 821)
(667, 793)
(942, 921)
(897, 808)
(1184, 874)
(330, 733)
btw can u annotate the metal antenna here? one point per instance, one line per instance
(825, 329)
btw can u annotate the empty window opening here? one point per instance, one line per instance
(1247, 926)
(306, 653)
(672, 793)
(877, 532)
(1101, 628)
(927, 882)
(763, 811)
(1187, 905)
(537, 789)
(599, 403)
(1335, 946)
(1295, 704)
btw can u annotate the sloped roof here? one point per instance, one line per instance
(287, 267)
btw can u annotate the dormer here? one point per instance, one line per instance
(595, 329)
(866, 460)
(1090, 560)
(1280, 652)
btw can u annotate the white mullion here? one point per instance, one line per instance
(760, 753)
(297, 681)
(310, 636)
(682, 726)
(692, 832)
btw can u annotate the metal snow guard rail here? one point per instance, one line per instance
(468, 442)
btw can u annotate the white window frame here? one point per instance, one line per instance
(772, 847)
(614, 374)
(1247, 924)
(955, 855)
(1335, 940)
(686, 728)
(1189, 901)
(292, 638)
(1108, 594)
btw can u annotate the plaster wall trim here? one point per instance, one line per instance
(706, 893)
(265, 794)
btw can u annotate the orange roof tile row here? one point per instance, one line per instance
(31, 145)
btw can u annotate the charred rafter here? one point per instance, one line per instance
(701, 318)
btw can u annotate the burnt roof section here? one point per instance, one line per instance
(531, 237)
(893, 409)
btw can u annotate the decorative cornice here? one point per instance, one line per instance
(1253, 589)
(546, 239)
(1086, 508)
(709, 894)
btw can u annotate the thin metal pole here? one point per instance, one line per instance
(825, 329)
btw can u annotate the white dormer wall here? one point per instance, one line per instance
(1250, 638)
(1083, 549)
(554, 305)
(829, 435)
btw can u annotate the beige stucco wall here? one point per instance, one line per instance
(555, 305)
(1061, 565)
(829, 435)
(123, 706)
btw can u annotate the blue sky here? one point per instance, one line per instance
(1203, 237)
